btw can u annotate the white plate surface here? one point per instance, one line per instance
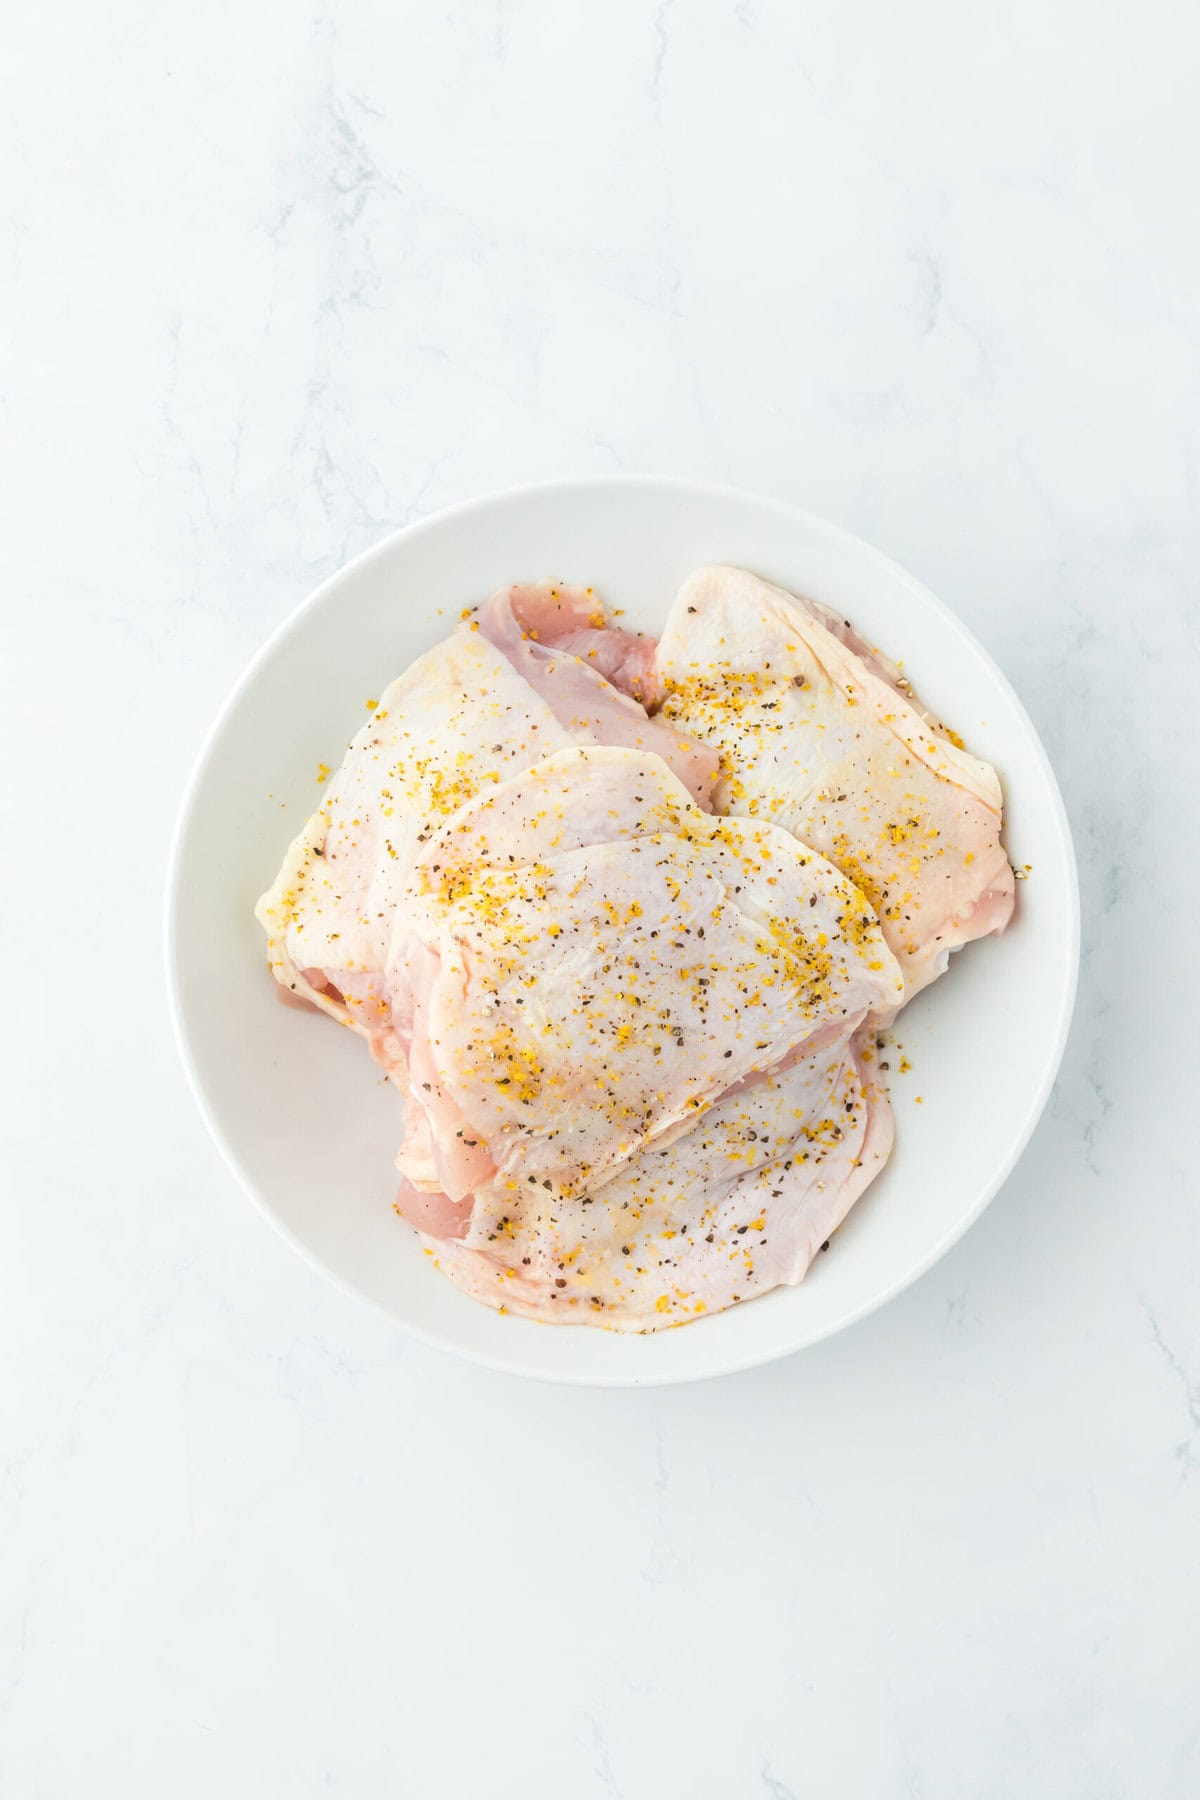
(307, 1123)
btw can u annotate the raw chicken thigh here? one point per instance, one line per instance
(589, 961)
(459, 717)
(738, 1205)
(479, 707)
(821, 735)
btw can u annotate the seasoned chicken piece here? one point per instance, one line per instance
(459, 717)
(738, 1205)
(589, 962)
(480, 707)
(822, 735)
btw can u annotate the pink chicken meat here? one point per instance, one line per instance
(595, 678)
(819, 733)
(592, 971)
(737, 1206)
(483, 705)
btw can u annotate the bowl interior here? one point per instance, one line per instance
(307, 1122)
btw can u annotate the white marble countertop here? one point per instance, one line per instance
(282, 281)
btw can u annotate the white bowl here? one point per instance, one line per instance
(310, 1127)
